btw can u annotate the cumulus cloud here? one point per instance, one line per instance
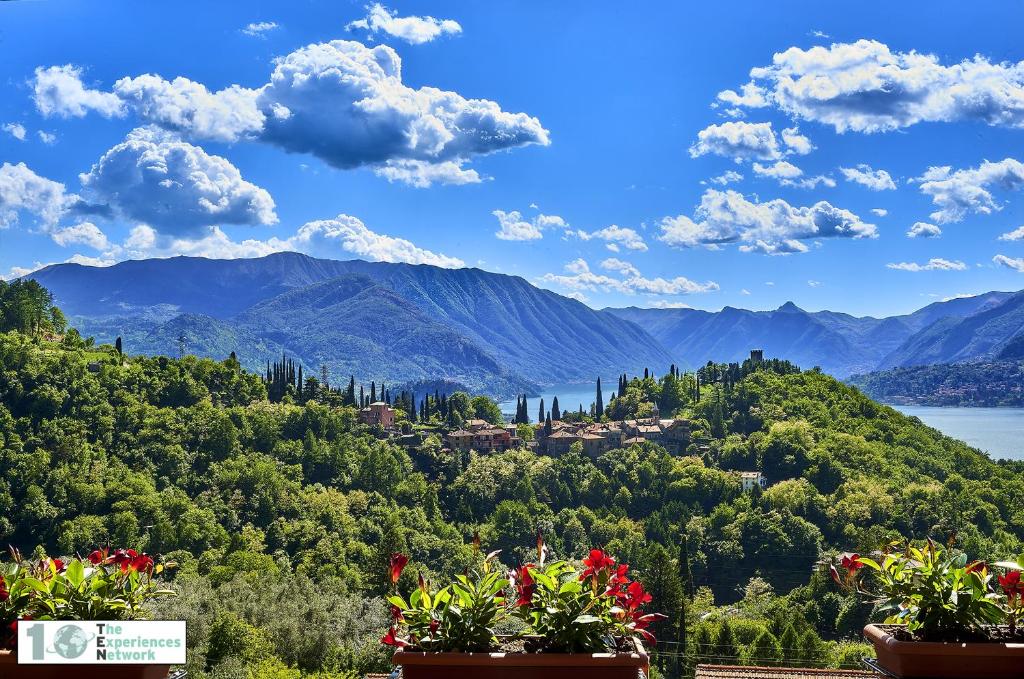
(1016, 234)
(933, 264)
(738, 140)
(924, 230)
(879, 211)
(421, 174)
(513, 226)
(16, 130)
(796, 142)
(771, 227)
(46, 137)
(867, 87)
(83, 233)
(876, 180)
(1015, 263)
(155, 178)
(59, 91)
(615, 237)
(340, 101)
(259, 29)
(24, 191)
(965, 191)
(353, 236)
(727, 177)
(581, 278)
(187, 107)
(788, 174)
(412, 29)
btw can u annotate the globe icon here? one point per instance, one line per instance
(70, 642)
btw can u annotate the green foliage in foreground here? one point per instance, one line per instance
(283, 517)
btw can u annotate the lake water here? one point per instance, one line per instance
(570, 396)
(997, 431)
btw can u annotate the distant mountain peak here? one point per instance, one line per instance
(790, 308)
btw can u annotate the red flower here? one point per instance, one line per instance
(390, 639)
(124, 558)
(852, 562)
(396, 613)
(142, 562)
(635, 596)
(97, 557)
(597, 562)
(58, 565)
(525, 585)
(398, 562)
(434, 625)
(4, 594)
(835, 575)
(1011, 584)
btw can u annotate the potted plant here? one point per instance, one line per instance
(588, 623)
(946, 617)
(106, 585)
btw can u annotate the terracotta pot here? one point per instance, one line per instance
(418, 665)
(10, 669)
(941, 660)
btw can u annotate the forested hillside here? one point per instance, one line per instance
(999, 383)
(282, 517)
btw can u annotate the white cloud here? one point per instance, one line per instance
(84, 233)
(1016, 234)
(867, 87)
(421, 174)
(796, 142)
(744, 291)
(924, 230)
(615, 236)
(515, 227)
(412, 29)
(782, 169)
(666, 304)
(1015, 263)
(738, 140)
(879, 211)
(813, 284)
(16, 130)
(750, 96)
(46, 137)
(771, 227)
(353, 236)
(184, 106)
(958, 193)
(179, 189)
(933, 264)
(22, 190)
(340, 101)
(727, 177)
(582, 278)
(259, 29)
(876, 180)
(59, 91)
(621, 266)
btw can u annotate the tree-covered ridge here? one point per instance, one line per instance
(999, 383)
(283, 515)
(27, 307)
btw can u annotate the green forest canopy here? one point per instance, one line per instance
(282, 516)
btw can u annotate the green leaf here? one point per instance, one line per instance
(75, 573)
(586, 619)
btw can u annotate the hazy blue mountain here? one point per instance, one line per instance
(839, 343)
(378, 320)
(991, 333)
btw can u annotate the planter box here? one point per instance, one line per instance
(10, 669)
(419, 665)
(946, 660)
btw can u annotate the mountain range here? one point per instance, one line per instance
(490, 332)
(375, 320)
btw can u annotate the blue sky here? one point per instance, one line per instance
(593, 148)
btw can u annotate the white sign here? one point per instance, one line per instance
(101, 642)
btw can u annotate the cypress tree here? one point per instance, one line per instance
(351, 396)
(540, 412)
(373, 392)
(599, 403)
(556, 414)
(646, 373)
(519, 410)
(362, 397)
(118, 347)
(302, 386)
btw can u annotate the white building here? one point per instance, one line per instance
(751, 479)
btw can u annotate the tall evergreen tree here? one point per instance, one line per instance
(350, 398)
(556, 414)
(599, 403)
(526, 411)
(540, 412)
